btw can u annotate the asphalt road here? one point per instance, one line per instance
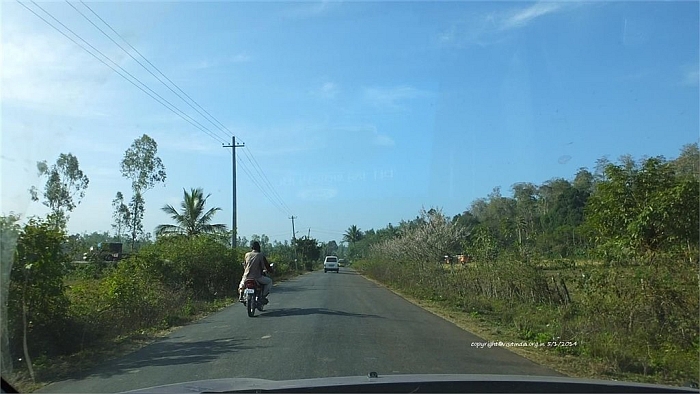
(316, 325)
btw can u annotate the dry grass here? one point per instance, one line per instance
(573, 366)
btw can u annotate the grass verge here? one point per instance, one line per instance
(50, 370)
(491, 330)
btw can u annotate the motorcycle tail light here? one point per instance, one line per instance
(250, 284)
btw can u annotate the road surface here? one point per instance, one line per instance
(316, 325)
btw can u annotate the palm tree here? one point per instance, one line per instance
(193, 220)
(353, 234)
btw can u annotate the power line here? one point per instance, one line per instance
(262, 190)
(141, 64)
(249, 155)
(265, 179)
(153, 94)
(275, 198)
(326, 232)
(156, 68)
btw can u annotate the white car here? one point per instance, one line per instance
(330, 264)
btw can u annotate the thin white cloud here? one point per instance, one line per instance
(392, 97)
(525, 16)
(383, 140)
(489, 28)
(328, 90)
(309, 9)
(202, 65)
(206, 64)
(241, 58)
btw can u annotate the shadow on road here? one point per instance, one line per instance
(342, 272)
(290, 289)
(167, 353)
(311, 311)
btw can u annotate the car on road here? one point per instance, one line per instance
(342, 263)
(330, 263)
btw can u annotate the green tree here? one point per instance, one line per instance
(583, 181)
(192, 220)
(688, 162)
(331, 248)
(644, 208)
(498, 213)
(352, 234)
(264, 241)
(65, 187)
(135, 225)
(38, 304)
(121, 216)
(9, 232)
(145, 169)
(308, 249)
(525, 195)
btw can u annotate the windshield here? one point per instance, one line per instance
(513, 191)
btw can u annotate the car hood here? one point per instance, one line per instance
(414, 383)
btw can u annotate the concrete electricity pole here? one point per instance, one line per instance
(294, 236)
(293, 232)
(233, 146)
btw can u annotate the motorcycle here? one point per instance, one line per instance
(253, 295)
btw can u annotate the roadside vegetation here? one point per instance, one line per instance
(61, 314)
(601, 269)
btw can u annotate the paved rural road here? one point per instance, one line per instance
(316, 325)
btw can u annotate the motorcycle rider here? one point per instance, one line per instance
(253, 266)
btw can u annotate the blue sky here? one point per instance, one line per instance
(356, 112)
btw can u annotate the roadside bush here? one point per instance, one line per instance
(89, 312)
(37, 285)
(200, 264)
(643, 319)
(135, 297)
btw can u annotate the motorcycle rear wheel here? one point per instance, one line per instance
(250, 304)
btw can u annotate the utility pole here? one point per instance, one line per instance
(294, 236)
(309, 235)
(293, 232)
(233, 146)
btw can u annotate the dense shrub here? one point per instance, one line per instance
(201, 264)
(37, 288)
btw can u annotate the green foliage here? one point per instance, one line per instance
(142, 165)
(121, 216)
(134, 295)
(9, 232)
(352, 234)
(37, 282)
(308, 251)
(653, 309)
(145, 169)
(643, 208)
(65, 187)
(193, 220)
(90, 310)
(638, 315)
(481, 245)
(687, 164)
(282, 254)
(200, 264)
